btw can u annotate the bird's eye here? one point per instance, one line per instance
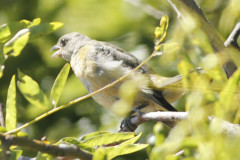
(63, 42)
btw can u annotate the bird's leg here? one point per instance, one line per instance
(126, 124)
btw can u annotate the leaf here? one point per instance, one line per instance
(2, 60)
(59, 84)
(3, 130)
(15, 47)
(161, 31)
(166, 48)
(35, 22)
(100, 154)
(91, 135)
(132, 140)
(226, 106)
(32, 92)
(15, 154)
(74, 141)
(11, 109)
(107, 139)
(7, 30)
(44, 29)
(123, 149)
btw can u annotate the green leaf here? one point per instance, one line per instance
(226, 106)
(59, 84)
(11, 108)
(15, 154)
(35, 22)
(2, 60)
(8, 30)
(132, 140)
(161, 31)
(107, 139)
(43, 156)
(44, 29)
(3, 130)
(123, 149)
(15, 47)
(32, 92)
(74, 141)
(100, 154)
(91, 135)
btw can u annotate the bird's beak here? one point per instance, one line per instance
(58, 51)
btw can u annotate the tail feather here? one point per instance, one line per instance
(159, 99)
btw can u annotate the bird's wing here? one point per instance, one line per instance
(127, 59)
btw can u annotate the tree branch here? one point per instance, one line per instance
(217, 44)
(232, 39)
(61, 150)
(2, 119)
(171, 118)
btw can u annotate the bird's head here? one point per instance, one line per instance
(69, 44)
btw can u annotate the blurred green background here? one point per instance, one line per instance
(129, 24)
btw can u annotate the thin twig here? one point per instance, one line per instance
(147, 8)
(179, 15)
(232, 39)
(2, 118)
(60, 150)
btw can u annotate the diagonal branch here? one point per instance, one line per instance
(232, 39)
(217, 44)
(58, 151)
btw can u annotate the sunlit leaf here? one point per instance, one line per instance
(44, 29)
(100, 154)
(8, 30)
(3, 130)
(15, 45)
(132, 140)
(59, 84)
(14, 48)
(227, 96)
(161, 31)
(32, 92)
(107, 139)
(74, 141)
(15, 154)
(94, 134)
(2, 59)
(123, 149)
(11, 109)
(35, 22)
(43, 156)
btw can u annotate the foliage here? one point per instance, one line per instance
(185, 46)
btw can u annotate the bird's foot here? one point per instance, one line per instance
(126, 124)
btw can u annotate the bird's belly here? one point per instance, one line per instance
(107, 97)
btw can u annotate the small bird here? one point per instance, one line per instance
(98, 64)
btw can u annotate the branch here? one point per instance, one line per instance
(171, 118)
(215, 41)
(146, 8)
(2, 119)
(61, 150)
(232, 39)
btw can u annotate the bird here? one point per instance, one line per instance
(98, 63)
